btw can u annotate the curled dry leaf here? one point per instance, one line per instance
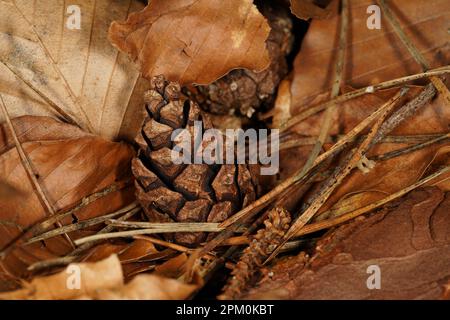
(100, 280)
(194, 41)
(149, 287)
(77, 70)
(70, 165)
(408, 241)
(307, 9)
(57, 286)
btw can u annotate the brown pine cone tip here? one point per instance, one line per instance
(243, 91)
(263, 244)
(171, 192)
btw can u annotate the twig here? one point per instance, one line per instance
(163, 243)
(164, 228)
(41, 227)
(170, 227)
(409, 149)
(409, 139)
(297, 177)
(329, 223)
(360, 92)
(353, 214)
(28, 168)
(44, 225)
(72, 256)
(415, 53)
(339, 174)
(329, 112)
(81, 225)
(405, 112)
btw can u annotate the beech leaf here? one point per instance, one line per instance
(101, 280)
(194, 41)
(307, 9)
(44, 64)
(70, 165)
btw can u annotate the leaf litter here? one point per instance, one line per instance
(364, 152)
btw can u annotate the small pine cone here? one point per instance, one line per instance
(243, 91)
(263, 244)
(170, 192)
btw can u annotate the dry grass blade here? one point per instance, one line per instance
(339, 174)
(175, 226)
(326, 224)
(338, 78)
(298, 176)
(420, 59)
(80, 225)
(164, 228)
(73, 256)
(360, 92)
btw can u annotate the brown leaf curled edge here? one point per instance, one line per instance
(194, 41)
(102, 280)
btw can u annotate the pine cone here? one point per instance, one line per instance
(171, 192)
(243, 91)
(263, 244)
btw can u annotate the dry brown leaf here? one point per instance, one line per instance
(101, 280)
(373, 55)
(101, 85)
(307, 9)
(70, 165)
(137, 250)
(56, 286)
(174, 267)
(149, 287)
(409, 241)
(194, 41)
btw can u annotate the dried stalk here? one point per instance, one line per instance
(29, 169)
(163, 243)
(73, 256)
(44, 225)
(164, 228)
(360, 92)
(41, 227)
(329, 223)
(339, 174)
(82, 224)
(409, 149)
(415, 53)
(351, 215)
(169, 226)
(338, 78)
(297, 177)
(410, 139)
